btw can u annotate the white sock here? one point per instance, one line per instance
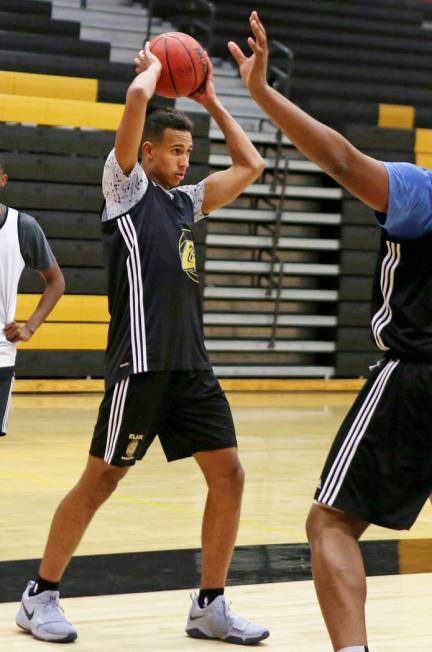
(353, 648)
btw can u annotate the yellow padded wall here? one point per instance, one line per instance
(55, 112)
(395, 116)
(54, 86)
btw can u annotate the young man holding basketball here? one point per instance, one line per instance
(379, 468)
(22, 244)
(158, 377)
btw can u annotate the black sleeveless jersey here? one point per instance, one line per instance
(402, 298)
(153, 292)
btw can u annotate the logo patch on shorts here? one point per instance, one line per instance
(134, 442)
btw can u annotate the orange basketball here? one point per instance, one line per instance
(184, 64)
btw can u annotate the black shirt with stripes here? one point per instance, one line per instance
(402, 298)
(402, 289)
(153, 288)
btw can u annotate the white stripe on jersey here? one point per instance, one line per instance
(116, 418)
(133, 298)
(136, 296)
(384, 315)
(355, 434)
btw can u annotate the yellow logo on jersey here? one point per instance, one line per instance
(187, 255)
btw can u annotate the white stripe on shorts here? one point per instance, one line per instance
(6, 413)
(115, 418)
(355, 434)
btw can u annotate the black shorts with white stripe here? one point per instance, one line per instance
(379, 468)
(6, 382)
(187, 410)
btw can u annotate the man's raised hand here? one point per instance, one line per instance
(253, 69)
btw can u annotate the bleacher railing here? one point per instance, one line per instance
(198, 25)
(280, 79)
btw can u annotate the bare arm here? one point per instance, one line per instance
(129, 132)
(223, 187)
(363, 176)
(55, 287)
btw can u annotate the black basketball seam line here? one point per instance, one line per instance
(192, 61)
(169, 67)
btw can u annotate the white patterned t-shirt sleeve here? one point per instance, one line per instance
(121, 191)
(196, 193)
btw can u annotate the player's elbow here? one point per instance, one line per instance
(60, 287)
(259, 167)
(256, 167)
(137, 94)
(57, 283)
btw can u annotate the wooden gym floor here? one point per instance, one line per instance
(139, 559)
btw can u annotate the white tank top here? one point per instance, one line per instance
(11, 267)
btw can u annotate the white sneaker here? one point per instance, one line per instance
(217, 622)
(42, 616)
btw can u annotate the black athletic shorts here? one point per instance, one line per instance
(379, 468)
(187, 410)
(6, 382)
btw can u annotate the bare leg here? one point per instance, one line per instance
(225, 479)
(339, 574)
(74, 514)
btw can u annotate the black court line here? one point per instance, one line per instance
(164, 570)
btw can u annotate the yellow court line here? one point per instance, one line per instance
(91, 386)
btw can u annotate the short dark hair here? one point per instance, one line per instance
(159, 118)
(2, 164)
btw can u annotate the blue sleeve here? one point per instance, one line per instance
(409, 213)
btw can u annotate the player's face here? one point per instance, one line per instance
(168, 160)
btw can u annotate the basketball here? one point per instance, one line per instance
(184, 64)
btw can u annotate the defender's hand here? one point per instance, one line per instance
(16, 333)
(253, 69)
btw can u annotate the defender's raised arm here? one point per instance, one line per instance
(362, 175)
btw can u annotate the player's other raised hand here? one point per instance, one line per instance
(206, 93)
(253, 69)
(145, 58)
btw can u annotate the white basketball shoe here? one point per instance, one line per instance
(42, 616)
(217, 622)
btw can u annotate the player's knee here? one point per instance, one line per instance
(234, 479)
(99, 486)
(239, 478)
(231, 480)
(311, 526)
(317, 523)
(109, 481)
